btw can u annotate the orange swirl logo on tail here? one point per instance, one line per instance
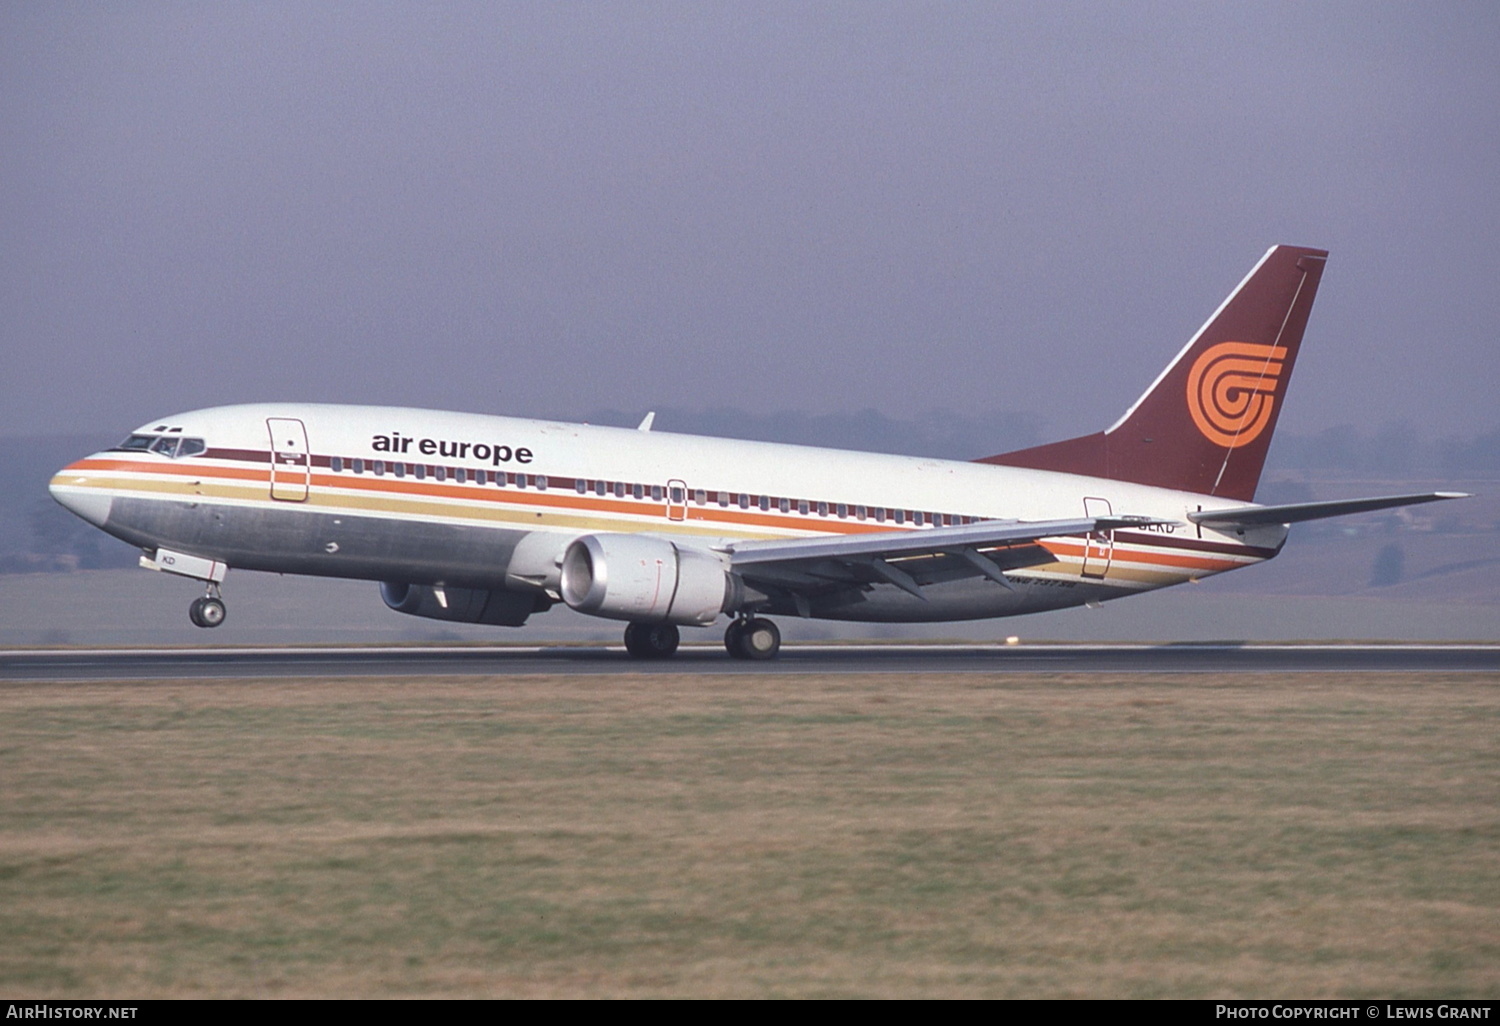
(1231, 391)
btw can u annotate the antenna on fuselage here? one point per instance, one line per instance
(645, 424)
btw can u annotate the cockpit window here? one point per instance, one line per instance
(171, 446)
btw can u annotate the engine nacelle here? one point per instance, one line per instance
(499, 608)
(636, 577)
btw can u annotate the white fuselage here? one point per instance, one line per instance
(418, 496)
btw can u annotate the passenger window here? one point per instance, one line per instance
(802, 506)
(461, 476)
(541, 482)
(336, 464)
(677, 494)
(898, 515)
(499, 479)
(479, 477)
(656, 493)
(842, 510)
(619, 489)
(600, 487)
(785, 505)
(520, 480)
(822, 509)
(359, 465)
(744, 501)
(639, 491)
(916, 518)
(399, 469)
(380, 468)
(880, 514)
(700, 497)
(441, 473)
(580, 486)
(421, 471)
(765, 502)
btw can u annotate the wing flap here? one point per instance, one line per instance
(924, 542)
(909, 559)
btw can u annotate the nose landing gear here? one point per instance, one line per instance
(209, 610)
(754, 638)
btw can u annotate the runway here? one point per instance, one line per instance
(127, 664)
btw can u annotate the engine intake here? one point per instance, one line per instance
(644, 579)
(499, 608)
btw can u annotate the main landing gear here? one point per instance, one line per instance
(651, 640)
(753, 638)
(748, 638)
(209, 610)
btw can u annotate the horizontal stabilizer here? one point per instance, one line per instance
(1296, 512)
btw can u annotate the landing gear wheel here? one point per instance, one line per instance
(733, 635)
(757, 639)
(212, 612)
(207, 612)
(651, 640)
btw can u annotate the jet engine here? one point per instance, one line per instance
(644, 579)
(498, 607)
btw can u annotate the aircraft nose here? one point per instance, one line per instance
(70, 486)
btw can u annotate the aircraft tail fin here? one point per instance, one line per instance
(1205, 424)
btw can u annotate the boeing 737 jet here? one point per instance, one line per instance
(483, 519)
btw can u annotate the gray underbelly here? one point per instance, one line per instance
(302, 541)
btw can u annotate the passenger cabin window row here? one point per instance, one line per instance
(423, 471)
(655, 493)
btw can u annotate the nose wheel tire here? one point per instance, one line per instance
(207, 612)
(757, 639)
(651, 640)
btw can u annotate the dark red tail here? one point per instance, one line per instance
(1205, 424)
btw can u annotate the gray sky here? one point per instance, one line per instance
(549, 208)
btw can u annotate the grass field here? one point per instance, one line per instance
(1137, 836)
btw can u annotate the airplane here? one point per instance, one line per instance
(490, 520)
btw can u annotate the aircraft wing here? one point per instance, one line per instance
(911, 558)
(1297, 512)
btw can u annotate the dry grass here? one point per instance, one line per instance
(640, 836)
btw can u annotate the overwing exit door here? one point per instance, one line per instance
(676, 500)
(291, 463)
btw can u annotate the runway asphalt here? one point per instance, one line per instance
(126, 664)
